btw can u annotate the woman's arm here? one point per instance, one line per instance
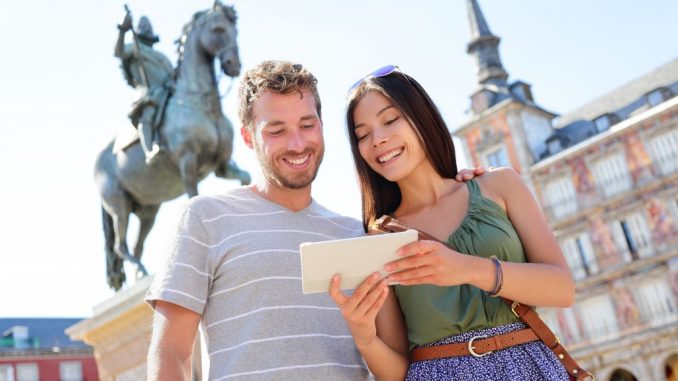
(544, 281)
(376, 323)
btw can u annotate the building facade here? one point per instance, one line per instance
(606, 177)
(37, 349)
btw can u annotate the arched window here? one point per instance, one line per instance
(622, 375)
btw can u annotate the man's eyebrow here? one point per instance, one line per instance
(273, 123)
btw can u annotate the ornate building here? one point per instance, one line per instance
(606, 176)
(36, 349)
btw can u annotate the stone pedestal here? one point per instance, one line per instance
(119, 331)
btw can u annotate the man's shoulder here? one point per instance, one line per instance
(320, 211)
(231, 199)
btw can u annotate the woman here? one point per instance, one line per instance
(406, 165)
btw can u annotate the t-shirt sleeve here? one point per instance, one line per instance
(186, 277)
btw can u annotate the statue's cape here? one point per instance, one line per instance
(126, 137)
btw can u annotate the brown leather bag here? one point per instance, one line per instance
(524, 312)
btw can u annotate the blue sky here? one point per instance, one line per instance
(63, 97)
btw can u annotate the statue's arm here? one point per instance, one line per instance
(122, 29)
(170, 353)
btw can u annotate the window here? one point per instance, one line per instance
(497, 158)
(674, 209)
(656, 97)
(571, 332)
(599, 314)
(70, 371)
(602, 123)
(580, 256)
(6, 373)
(554, 146)
(27, 372)
(561, 197)
(612, 174)
(550, 318)
(655, 300)
(665, 151)
(632, 236)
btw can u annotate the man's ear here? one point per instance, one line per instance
(246, 136)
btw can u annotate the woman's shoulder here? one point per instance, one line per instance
(498, 182)
(498, 177)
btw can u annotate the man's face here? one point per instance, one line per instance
(287, 138)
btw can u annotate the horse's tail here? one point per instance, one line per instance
(115, 273)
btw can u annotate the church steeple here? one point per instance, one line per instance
(485, 47)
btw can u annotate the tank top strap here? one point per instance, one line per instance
(473, 189)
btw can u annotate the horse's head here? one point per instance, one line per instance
(218, 37)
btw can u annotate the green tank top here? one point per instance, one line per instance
(433, 312)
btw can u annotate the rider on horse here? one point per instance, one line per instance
(151, 73)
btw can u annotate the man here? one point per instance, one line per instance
(148, 71)
(235, 267)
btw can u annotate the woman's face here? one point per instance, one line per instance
(386, 139)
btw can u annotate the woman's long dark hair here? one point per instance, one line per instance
(380, 196)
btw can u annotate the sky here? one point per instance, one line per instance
(63, 98)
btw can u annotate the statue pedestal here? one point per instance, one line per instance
(120, 332)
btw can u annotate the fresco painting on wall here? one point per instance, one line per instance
(637, 158)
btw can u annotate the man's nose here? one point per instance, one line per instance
(296, 142)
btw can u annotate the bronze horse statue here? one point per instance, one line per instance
(196, 137)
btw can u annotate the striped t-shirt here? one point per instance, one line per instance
(236, 262)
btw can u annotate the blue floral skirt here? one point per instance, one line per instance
(532, 361)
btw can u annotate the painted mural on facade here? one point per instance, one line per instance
(639, 163)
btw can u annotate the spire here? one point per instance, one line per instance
(477, 20)
(485, 47)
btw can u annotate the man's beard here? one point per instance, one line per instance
(297, 181)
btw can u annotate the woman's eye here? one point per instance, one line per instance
(391, 121)
(276, 132)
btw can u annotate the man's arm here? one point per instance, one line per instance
(171, 349)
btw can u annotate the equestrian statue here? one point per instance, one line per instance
(178, 134)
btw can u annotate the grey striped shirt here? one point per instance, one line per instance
(235, 261)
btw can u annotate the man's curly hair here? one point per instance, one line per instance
(280, 77)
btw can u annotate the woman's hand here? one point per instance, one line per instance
(360, 309)
(430, 262)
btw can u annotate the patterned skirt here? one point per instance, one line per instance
(532, 361)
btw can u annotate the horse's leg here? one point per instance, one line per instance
(188, 166)
(123, 208)
(114, 273)
(230, 170)
(146, 216)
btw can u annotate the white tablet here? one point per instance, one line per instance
(352, 258)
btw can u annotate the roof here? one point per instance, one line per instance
(42, 333)
(622, 97)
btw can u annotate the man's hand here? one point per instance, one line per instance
(126, 23)
(468, 174)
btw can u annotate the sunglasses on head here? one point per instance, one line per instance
(381, 72)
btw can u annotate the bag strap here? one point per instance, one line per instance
(527, 314)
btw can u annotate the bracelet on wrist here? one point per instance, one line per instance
(498, 278)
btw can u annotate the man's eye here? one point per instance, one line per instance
(307, 126)
(276, 132)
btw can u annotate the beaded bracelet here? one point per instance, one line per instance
(498, 279)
